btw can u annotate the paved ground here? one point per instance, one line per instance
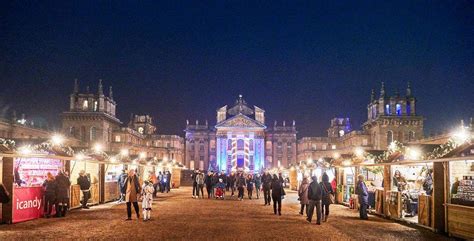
(177, 216)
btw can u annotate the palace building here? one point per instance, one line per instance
(241, 139)
(92, 121)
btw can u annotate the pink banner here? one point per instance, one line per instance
(28, 203)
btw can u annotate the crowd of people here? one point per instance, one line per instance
(56, 193)
(218, 185)
(315, 197)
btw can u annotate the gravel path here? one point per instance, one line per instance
(177, 216)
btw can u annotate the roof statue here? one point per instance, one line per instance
(240, 107)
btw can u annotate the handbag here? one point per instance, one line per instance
(331, 199)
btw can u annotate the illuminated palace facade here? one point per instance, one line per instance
(241, 140)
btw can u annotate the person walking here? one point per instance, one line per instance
(363, 195)
(241, 183)
(258, 184)
(168, 183)
(153, 180)
(85, 185)
(200, 184)
(250, 183)
(193, 177)
(277, 193)
(232, 180)
(215, 180)
(147, 199)
(208, 182)
(266, 182)
(62, 194)
(160, 181)
(314, 195)
(121, 183)
(303, 195)
(132, 189)
(49, 186)
(327, 196)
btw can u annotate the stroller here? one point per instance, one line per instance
(220, 190)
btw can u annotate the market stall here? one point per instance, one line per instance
(460, 192)
(23, 173)
(113, 170)
(92, 171)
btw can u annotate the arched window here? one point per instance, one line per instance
(85, 105)
(389, 137)
(83, 133)
(399, 109)
(408, 108)
(72, 131)
(96, 106)
(240, 145)
(93, 134)
(251, 145)
(411, 136)
(387, 109)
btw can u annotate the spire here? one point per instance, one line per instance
(101, 89)
(382, 90)
(372, 96)
(409, 89)
(111, 93)
(471, 124)
(76, 86)
(88, 89)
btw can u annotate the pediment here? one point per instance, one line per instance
(240, 121)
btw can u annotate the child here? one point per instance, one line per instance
(220, 188)
(147, 199)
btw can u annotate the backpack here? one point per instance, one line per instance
(4, 195)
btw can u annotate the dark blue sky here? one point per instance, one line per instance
(308, 61)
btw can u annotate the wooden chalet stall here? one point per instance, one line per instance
(23, 171)
(459, 191)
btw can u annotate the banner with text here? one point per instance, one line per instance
(27, 203)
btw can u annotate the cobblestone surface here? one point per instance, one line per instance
(177, 216)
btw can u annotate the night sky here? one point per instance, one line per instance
(307, 61)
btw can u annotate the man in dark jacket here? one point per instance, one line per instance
(62, 194)
(208, 182)
(363, 196)
(121, 183)
(168, 184)
(241, 184)
(266, 182)
(277, 192)
(195, 186)
(85, 185)
(231, 183)
(315, 193)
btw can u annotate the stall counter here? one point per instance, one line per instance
(460, 221)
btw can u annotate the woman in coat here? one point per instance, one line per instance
(49, 186)
(132, 189)
(250, 183)
(277, 187)
(326, 199)
(303, 195)
(62, 194)
(258, 184)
